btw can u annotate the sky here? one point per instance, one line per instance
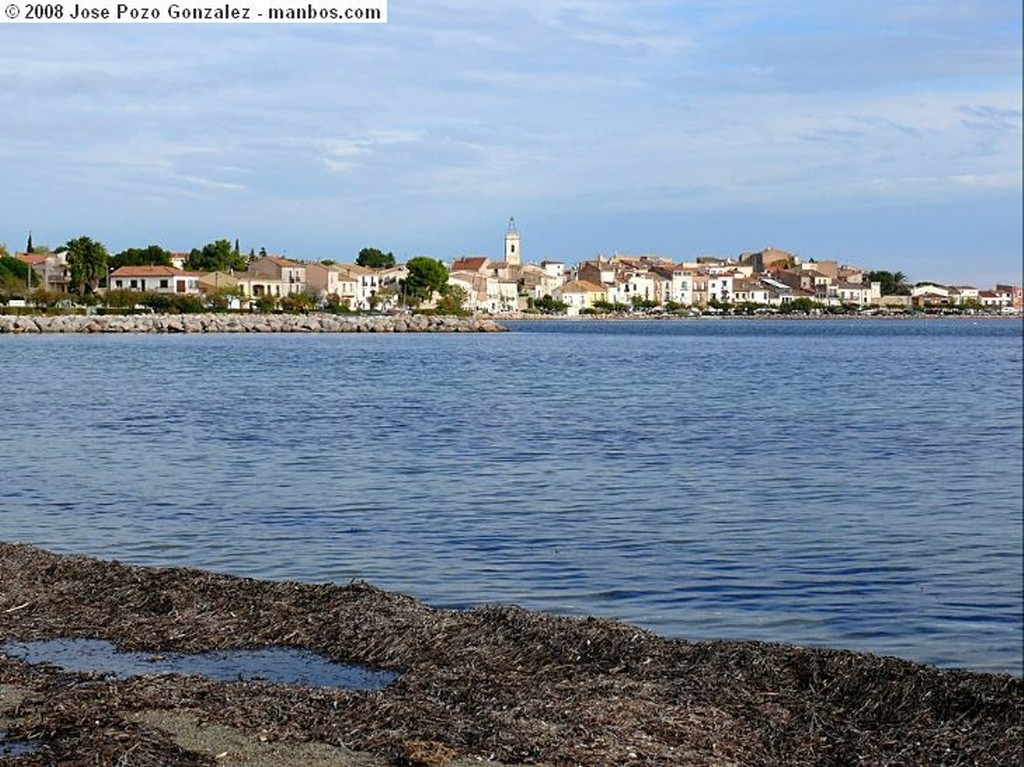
(886, 135)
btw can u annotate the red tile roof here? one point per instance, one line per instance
(473, 264)
(150, 271)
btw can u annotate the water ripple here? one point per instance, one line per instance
(839, 484)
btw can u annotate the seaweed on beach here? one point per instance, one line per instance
(493, 683)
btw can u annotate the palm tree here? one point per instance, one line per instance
(899, 284)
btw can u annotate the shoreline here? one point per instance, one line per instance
(494, 683)
(243, 323)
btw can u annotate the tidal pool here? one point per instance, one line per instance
(280, 665)
(14, 747)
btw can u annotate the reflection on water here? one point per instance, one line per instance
(280, 665)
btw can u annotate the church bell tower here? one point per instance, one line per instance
(513, 257)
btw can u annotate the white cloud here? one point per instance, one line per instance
(340, 155)
(662, 106)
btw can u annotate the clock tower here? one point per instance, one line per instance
(513, 256)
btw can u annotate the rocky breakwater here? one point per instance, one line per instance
(245, 323)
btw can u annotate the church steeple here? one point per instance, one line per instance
(513, 256)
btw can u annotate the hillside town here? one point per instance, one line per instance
(763, 281)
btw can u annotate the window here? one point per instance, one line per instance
(134, 284)
(163, 284)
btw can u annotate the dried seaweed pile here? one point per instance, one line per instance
(495, 682)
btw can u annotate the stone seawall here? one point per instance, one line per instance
(244, 323)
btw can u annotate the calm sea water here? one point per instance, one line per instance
(853, 484)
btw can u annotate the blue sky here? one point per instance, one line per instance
(883, 134)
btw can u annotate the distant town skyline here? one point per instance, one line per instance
(886, 135)
(498, 255)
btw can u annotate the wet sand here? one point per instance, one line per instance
(489, 685)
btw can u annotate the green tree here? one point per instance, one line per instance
(87, 263)
(153, 255)
(453, 300)
(802, 304)
(16, 277)
(426, 276)
(46, 299)
(892, 283)
(639, 303)
(373, 258)
(122, 298)
(220, 299)
(266, 303)
(295, 303)
(170, 303)
(219, 256)
(549, 304)
(337, 304)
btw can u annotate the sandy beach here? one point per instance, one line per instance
(495, 685)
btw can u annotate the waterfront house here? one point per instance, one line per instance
(1004, 298)
(990, 299)
(720, 287)
(254, 287)
(368, 284)
(929, 296)
(475, 286)
(579, 295)
(779, 293)
(1014, 294)
(51, 269)
(155, 279)
(858, 293)
(636, 285)
(678, 284)
(962, 294)
(750, 290)
(333, 280)
(290, 275)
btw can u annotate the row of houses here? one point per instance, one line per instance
(353, 285)
(771, 278)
